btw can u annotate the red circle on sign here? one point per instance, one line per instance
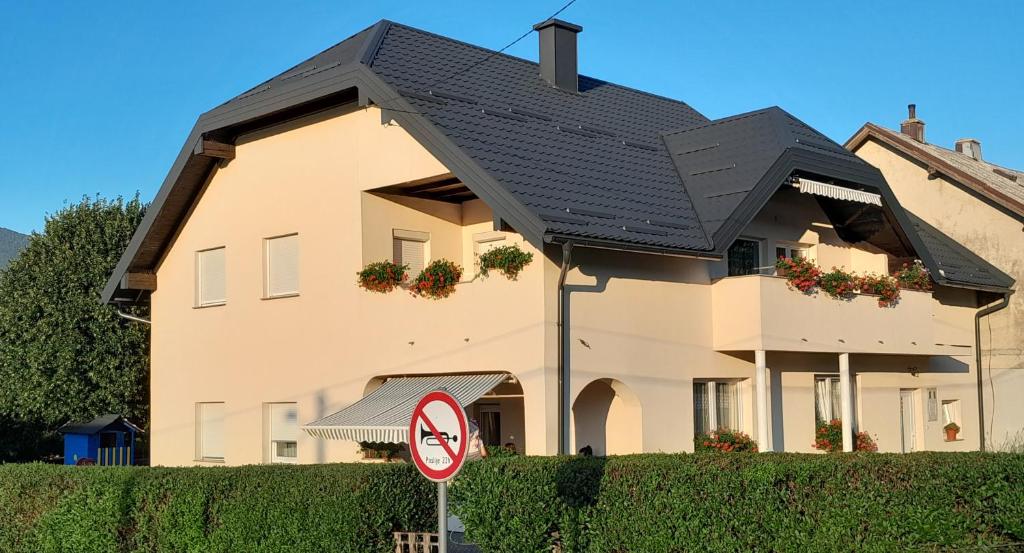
(422, 430)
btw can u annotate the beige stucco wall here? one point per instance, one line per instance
(322, 347)
(643, 323)
(998, 237)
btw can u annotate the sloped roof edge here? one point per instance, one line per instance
(885, 136)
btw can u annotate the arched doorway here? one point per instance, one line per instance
(607, 416)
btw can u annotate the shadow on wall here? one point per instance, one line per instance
(607, 417)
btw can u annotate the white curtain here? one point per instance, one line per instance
(823, 398)
(947, 412)
(701, 419)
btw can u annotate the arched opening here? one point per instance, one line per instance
(607, 417)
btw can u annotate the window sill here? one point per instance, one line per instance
(208, 305)
(210, 460)
(280, 296)
(956, 440)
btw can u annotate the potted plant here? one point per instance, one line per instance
(828, 437)
(952, 429)
(913, 276)
(800, 273)
(382, 276)
(437, 280)
(725, 441)
(838, 283)
(507, 260)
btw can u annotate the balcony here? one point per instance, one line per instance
(761, 313)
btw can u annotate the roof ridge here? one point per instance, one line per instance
(905, 138)
(496, 53)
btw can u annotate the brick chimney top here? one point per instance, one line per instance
(912, 126)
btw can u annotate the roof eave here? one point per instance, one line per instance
(872, 131)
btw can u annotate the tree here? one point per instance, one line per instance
(64, 356)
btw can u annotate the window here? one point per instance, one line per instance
(933, 404)
(715, 406)
(484, 242)
(211, 285)
(792, 251)
(411, 248)
(283, 432)
(281, 266)
(951, 412)
(744, 257)
(490, 425)
(828, 403)
(210, 431)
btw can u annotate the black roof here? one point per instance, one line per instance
(11, 244)
(608, 166)
(955, 262)
(99, 424)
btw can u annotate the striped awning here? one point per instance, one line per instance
(808, 186)
(384, 414)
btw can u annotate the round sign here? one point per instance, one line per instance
(438, 433)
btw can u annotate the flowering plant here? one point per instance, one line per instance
(437, 280)
(838, 283)
(829, 437)
(913, 276)
(887, 287)
(382, 276)
(508, 260)
(725, 441)
(801, 273)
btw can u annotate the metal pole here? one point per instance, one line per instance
(442, 517)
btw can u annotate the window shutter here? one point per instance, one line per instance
(212, 283)
(211, 430)
(282, 270)
(284, 422)
(411, 253)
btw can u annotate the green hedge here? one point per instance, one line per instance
(352, 507)
(641, 503)
(743, 502)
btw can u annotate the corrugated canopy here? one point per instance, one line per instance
(384, 414)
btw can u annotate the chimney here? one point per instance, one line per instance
(969, 147)
(913, 127)
(558, 53)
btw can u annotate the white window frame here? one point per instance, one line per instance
(271, 443)
(267, 295)
(201, 430)
(199, 300)
(712, 404)
(833, 379)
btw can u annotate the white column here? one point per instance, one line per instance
(761, 391)
(847, 400)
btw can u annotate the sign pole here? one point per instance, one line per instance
(442, 517)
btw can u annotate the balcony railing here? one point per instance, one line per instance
(762, 313)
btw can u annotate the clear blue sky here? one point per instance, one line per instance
(97, 97)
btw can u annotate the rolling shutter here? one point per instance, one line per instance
(282, 266)
(211, 283)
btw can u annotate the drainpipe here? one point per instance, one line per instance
(563, 367)
(984, 312)
(124, 315)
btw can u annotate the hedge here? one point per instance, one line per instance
(743, 502)
(639, 503)
(352, 507)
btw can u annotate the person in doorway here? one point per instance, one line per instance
(477, 450)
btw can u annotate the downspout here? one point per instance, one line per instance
(563, 380)
(984, 312)
(124, 315)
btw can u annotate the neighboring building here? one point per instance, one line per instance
(654, 232)
(981, 205)
(11, 243)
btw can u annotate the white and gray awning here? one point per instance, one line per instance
(808, 186)
(384, 414)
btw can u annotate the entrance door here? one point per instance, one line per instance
(908, 420)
